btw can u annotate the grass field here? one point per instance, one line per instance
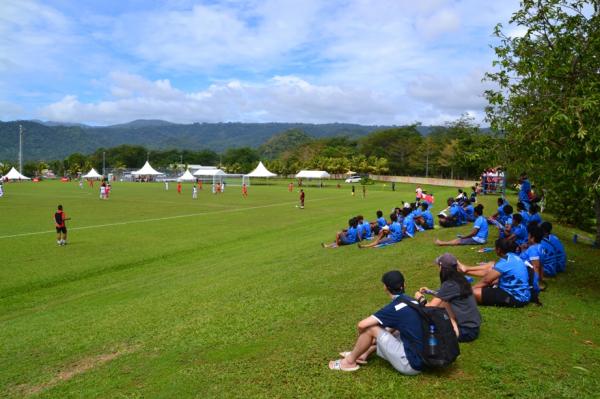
(160, 296)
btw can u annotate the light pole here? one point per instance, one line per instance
(20, 148)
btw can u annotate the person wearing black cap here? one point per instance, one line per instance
(456, 296)
(394, 331)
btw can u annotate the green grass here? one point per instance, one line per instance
(236, 298)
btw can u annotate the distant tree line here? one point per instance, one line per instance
(459, 149)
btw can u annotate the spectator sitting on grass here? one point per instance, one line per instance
(477, 236)
(553, 240)
(388, 235)
(347, 236)
(503, 283)
(456, 296)
(394, 331)
(426, 216)
(453, 218)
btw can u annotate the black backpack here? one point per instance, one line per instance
(446, 351)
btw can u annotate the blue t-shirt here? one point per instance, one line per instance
(365, 230)
(535, 218)
(428, 218)
(531, 253)
(525, 216)
(417, 213)
(470, 211)
(381, 222)
(395, 232)
(549, 257)
(351, 235)
(560, 249)
(409, 225)
(482, 230)
(514, 278)
(520, 232)
(524, 192)
(399, 316)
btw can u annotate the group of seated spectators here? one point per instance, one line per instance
(527, 252)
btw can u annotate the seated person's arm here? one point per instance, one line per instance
(473, 233)
(488, 280)
(366, 323)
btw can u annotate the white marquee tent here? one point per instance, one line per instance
(92, 174)
(147, 170)
(187, 176)
(261, 171)
(14, 174)
(312, 174)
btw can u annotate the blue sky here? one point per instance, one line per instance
(356, 61)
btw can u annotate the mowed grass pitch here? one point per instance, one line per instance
(233, 297)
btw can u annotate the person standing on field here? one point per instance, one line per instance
(166, 185)
(244, 190)
(61, 228)
(301, 199)
(179, 188)
(194, 192)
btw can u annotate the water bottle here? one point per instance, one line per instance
(432, 347)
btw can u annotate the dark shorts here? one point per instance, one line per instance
(344, 241)
(61, 230)
(469, 241)
(467, 334)
(494, 296)
(445, 222)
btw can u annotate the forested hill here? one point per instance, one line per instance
(51, 140)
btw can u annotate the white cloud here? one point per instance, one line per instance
(282, 98)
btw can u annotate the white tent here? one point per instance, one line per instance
(312, 174)
(187, 176)
(92, 174)
(261, 171)
(147, 170)
(14, 174)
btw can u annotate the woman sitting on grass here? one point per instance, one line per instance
(456, 296)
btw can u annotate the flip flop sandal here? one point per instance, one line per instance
(337, 365)
(359, 361)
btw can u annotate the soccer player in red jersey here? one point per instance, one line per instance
(61, 229)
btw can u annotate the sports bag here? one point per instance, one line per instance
(440, 343)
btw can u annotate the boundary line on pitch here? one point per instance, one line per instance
(96, 226)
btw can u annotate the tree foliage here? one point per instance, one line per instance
(547, 101)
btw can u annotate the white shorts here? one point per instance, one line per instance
(391, 349)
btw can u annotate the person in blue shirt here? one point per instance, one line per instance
(454, 217)
(468, 208)
(525, 191)
(408, 224)
(474, 193)
(395, 332)
(499, 215)
(518, 231)
(388, 235)
(477, 236)
(524, 214)
(364, 228)
(381, 220)
(426, 216)
(503, 283)
(534, 215)
(553, 240)
(531, 255)
(347, 236)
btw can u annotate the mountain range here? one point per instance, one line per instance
(55, 140)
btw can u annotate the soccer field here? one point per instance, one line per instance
(159, 295)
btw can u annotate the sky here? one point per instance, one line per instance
(375, 62)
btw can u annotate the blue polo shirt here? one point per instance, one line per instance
(514, 278)
(428, 218)
(399, 316)
(395, 232)
(549, 257)
(351, 235)
(560, 249)
(535, 218)
(381, 222)
(470, 211)
(482, 230)
(524, 192)
(365, 230)
(520, 232)
(525, 215)
(454, 211)
(409, 225)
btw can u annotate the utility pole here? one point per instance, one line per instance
(20, 148)
(103, 163)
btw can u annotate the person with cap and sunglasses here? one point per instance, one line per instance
(456, 296)
(394, 332)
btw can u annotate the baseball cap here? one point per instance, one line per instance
(446, 260)
(394, 281)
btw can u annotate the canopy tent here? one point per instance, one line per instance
(147, 170)
(14, 174)
(312, 174)
(261, 171)
(187, 176)
(92, 174)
